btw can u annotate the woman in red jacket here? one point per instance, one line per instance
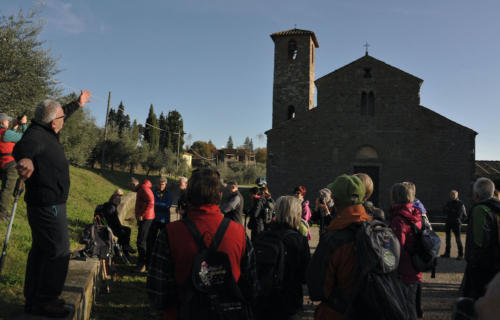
(144, 214)
(403, 215)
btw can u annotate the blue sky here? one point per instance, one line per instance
(213, 60)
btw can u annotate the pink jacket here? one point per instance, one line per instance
(402, 230)
(145, 201)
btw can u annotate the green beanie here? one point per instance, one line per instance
(347, 190)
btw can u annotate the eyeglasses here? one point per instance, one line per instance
(60, 117)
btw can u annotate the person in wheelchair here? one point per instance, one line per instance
(108, 213)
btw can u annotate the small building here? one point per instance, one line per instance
(225, 157)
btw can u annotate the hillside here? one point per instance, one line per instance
(88, 188)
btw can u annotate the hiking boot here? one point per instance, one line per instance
(51, 310)
(446, 255)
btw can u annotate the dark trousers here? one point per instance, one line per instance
(410, 291)
(154, 230)
(476, 279)
(455, 228)
(9, 176)
(142, 240)
(123, 234)
(48, 258)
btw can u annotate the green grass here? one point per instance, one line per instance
(88, 189)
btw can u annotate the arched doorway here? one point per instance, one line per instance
(366, 162)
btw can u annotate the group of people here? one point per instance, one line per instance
(341, 205)
(152, 213)
(170, 251)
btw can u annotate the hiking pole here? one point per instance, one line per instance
(17, 192)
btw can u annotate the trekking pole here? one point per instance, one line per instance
(17, 192)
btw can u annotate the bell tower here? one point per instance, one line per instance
(293, 88)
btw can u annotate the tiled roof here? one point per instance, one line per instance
(298, 32)
(489, 169)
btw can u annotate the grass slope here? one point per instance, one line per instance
(88, 188)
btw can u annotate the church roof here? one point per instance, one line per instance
(366, 58)
(489, 169)
(298, 32)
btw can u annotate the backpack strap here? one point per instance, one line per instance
(220, 233)
(198, 238)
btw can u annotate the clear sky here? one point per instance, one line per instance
(213, 60)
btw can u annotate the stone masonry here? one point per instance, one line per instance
(369, 119)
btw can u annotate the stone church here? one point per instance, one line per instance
(368, 118)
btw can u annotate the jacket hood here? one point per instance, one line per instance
(147, 184)
(408, 211)
(349, 215)
(492, 203)
(420, 206)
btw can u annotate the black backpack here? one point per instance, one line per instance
(211, 291)
(378, 292)
(98, 241)
(270, 252)
(426, 250)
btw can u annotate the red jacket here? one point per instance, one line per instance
(207, 219)
(403, 231)
(145, 202)
(6, 149)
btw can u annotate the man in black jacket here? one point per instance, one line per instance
(232, 207)
(42, 164)
(454, 211)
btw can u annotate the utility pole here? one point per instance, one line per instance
(105, 130)
(178, 147)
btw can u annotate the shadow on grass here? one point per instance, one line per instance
(127, 298)
(122, 179)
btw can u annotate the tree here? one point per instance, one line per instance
(229, 143)
(151, 131)
(80, 134)
(261, 155)
(26, 68)
(203, 149)
(248, 144)
(175, 128)
(162, 123)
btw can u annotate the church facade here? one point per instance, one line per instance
(368, 119)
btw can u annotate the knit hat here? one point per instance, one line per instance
(4, 117)
(347, 190)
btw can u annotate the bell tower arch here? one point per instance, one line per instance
(293, 87)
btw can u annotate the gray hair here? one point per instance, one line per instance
(401, 193)
(484, 188)
(325, 193)
(183, 179)
(289, 211)
(46, 111)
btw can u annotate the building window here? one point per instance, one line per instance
(368, 73)
(291, 112)
(292, 50)
(371, 103)
(363, 103)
